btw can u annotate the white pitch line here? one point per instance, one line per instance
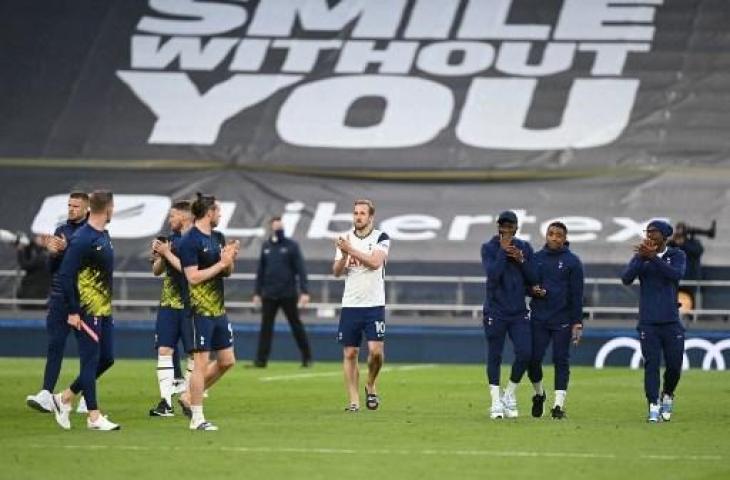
(303, 376)
(348, 451)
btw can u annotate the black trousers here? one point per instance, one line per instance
(269, 308)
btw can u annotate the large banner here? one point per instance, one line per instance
(423, 88)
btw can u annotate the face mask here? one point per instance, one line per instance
(278, 235)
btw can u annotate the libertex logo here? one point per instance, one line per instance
(713, 352)
(425, 67)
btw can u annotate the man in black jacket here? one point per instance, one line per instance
(280, 267)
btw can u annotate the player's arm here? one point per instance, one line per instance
(576, 283)
(340, 263)
(675, 269)
(68, 276)
(166, 256)
(373, 260)
(632, 270)
(493, 261)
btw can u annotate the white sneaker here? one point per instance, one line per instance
(666, 407)
(81, 407)
(102, 424)
(654, 416)
(41, 401)
(509, 403)
(204, 426)
(61, 411)
(497, 411)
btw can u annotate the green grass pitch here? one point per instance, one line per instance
(288, 423)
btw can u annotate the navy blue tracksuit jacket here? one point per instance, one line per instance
(560, 273)
(280, 266)
(659, 282)
(507, 280)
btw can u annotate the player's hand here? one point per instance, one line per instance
(74, 320)
(538, 291)
(576, 333)
(646, 249)
(515, 253)
(256, 300)
(55, 244)
(303, 300)
(235, 245)
(505, 240)
(343, 244)
(228, 255)
(160, 248)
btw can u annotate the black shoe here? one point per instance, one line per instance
(187, 411)
(558, 413)
(162, 410)
(307, 363)
(372, 402)
(538, 405)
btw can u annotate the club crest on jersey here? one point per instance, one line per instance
(560, 265)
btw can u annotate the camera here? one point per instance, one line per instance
(14, 238)
(691, 232)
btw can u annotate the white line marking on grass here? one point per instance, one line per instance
(347, 451)
(304, 376)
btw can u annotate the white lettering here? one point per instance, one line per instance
(314, 115)
(411, 227)
(374, 18)
(494, 114)
(184, 115)
(200, 18)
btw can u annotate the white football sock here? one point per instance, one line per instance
(560, 398)
(165, 376)
(511, 387)
(198, 416)
(494, 393)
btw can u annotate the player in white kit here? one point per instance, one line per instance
(361, 256)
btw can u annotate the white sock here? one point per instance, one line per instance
(560, 398)
(538, 388)
(198, 417)
(494, 393)
(165, 376)
(511, 387)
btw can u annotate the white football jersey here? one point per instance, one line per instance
(364, 287)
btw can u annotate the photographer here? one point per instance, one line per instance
(33, 258)
(685, 240)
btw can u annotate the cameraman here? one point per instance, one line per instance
(33, 258)
(693, 249)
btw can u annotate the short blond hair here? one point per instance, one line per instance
(365, 201)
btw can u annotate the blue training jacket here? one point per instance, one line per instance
(560, 273)
(281, 267)
(67, 229)
(507, 280)
(658, 284)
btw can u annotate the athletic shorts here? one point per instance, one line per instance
(170, 328)
(354, 321)
(210, 333)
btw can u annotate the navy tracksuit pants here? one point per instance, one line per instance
(58, 329)
(658, 339)
(96, 356)
(496, 330)
(542, 336)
